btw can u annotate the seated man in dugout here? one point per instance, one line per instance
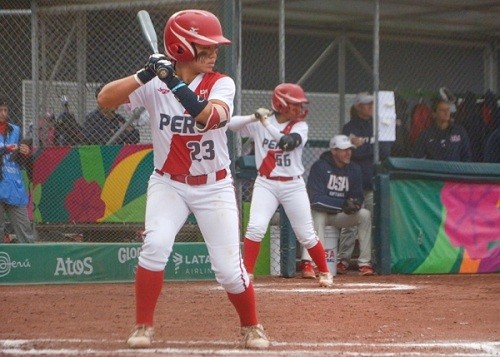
(335, 189)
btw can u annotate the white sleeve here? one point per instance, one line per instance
(274, 131)
(224, 90)
(238, 122)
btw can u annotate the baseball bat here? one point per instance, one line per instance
(149, 33)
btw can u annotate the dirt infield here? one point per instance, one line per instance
(382, 315)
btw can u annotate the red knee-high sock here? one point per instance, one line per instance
(317, 254)
(245, 306)
(148, 286)
(250, 253)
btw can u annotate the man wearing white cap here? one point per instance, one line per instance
(335, 190)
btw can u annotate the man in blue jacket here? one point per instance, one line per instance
(360, 130)
(14, 154)
(335, 190)
(443, 140)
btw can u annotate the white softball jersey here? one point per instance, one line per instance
(178, 147)
(270, 159)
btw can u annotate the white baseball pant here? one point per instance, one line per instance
(292, 195)
(361, 219)
(214, 206)
(348, 235)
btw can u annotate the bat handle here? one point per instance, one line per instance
(162, 73)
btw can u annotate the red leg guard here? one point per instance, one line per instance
(245, 306)
(148, 286)
(317, 254)
(251, 251)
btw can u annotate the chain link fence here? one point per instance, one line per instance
(72, 49)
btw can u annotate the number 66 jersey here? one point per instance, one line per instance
(272, 161)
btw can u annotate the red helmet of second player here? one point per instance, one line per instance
(191, 26)
(289, 93)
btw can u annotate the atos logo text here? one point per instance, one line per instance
(70, 267)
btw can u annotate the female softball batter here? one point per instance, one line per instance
(188, 112)
(279, 140)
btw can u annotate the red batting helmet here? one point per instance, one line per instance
(191, 26)
(289, 93)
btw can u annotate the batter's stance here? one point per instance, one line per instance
(279, 141)
(188, 111)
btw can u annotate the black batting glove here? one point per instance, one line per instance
(351, 206)
(155, 61)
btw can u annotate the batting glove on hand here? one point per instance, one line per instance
(350, 206)
(164, 70)
(262, 114)
(151, 67)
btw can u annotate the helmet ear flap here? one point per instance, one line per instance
(279, 105)
(179, 52)
(286, 93)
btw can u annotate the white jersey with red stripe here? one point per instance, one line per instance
(271, 161)
(178, 147)
(280, 180)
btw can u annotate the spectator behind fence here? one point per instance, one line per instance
(14, 155)
(102, 123)
(68, 131)
(335, 188)
(443, 140)
(279, 143)
(492, 147)
(360, 130)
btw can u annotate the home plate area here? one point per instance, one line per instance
(309, 287)
(394, 315)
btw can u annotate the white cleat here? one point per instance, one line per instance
(325, 280)
(254, 337)
(141, 337)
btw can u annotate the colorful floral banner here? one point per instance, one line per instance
(444, 227)
(91, 183)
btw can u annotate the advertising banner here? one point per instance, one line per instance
(444, 227)
(59, 263)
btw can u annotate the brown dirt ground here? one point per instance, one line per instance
(196, 318)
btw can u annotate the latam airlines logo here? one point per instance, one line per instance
(177, 259)
(6, 264)
(195, 264)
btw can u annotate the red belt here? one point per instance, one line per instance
(280, 178)
(194, 180)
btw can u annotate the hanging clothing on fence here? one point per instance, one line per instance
(420, 120)
(480, 117)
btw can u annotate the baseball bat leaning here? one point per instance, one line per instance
(149, 33)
